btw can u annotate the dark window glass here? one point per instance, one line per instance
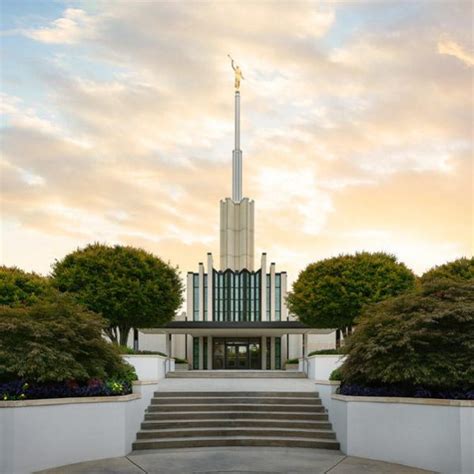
(278, 297)
(195, 353)
(277, 353)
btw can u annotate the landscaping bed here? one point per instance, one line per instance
(22, 390)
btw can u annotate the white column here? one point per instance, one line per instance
(189, 296)
(237, 155)
(263, 289)
(168, 345)
(201, 292)
(283, 350)
(272, 291)
(210, 270)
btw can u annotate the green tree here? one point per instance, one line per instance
(18, 287)
(331, 293)
(422, 338)
(55, 340)
(457, 270)
(131, 288)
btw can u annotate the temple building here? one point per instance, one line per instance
(236, 315)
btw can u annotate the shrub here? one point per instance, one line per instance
(424, 339)
(328, 352)
(180, 361)
(336, 375)
(21, 390)
(292, 361)
(55, 341)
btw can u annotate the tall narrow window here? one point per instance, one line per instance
(277, 353)
(278, 297)
(195, 353)
(205, 297)
(204, 353)
(269, 300)
(195, 297)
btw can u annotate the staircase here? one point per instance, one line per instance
(209, 419)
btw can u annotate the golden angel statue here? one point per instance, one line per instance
(238, 73)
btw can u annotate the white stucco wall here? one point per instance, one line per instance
(321, 366)
(317, 342)
(426, 433)
(149, 367)
(40, 434)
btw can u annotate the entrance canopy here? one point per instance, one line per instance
(233, 328)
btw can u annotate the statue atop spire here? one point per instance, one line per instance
(238, 73)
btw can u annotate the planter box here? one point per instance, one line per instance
(150, 367)
(321, 366)
(47, 433)
(180, 366)
(291, 367)
(431, 434)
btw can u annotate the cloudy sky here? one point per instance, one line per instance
(117, 126)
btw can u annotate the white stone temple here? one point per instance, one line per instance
(236, 315)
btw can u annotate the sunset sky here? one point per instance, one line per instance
(117, 126)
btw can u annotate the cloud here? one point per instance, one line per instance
(71, 28)
(352, 137)
(451, 48)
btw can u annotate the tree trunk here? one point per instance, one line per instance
(112, 334)
(124, 331)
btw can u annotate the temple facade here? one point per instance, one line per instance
(236, 315)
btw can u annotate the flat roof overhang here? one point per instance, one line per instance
(236, 328)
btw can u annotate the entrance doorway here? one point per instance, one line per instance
(236, 354)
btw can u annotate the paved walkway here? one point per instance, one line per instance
(236, 460)
(236, 385)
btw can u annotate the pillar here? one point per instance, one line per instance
(272, 292)
(264, 352)
(263, 289)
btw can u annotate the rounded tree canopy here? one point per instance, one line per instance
(331, 293)
(461, 269)
(19, 288)
(130, 287)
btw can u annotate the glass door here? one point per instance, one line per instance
(242, 357)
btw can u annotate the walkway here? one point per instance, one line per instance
(236, 460)
(236, 385)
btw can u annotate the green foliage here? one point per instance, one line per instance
(18, 288)
(180, 361)
(292, 361)
(425, 338)
(131, 288)
(340, 350)
(331, 293)
(457, 270)
(336, 375)
(131, 351)
(56, 340)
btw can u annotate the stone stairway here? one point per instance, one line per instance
(209, 419)
(248, 374)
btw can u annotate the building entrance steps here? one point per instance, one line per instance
(262, 374)
(209, 418)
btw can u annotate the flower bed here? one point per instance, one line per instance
(400, 391)
(22, 390)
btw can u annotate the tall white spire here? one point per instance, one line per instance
(237, 155)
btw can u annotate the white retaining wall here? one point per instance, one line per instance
(41, 434)
(426, 433)
(320, 367)
(150, 367)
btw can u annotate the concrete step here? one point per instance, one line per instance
(233, 431)
(234, 423)
(235, 400)
(235, 441)
(235, 394)
(192, 374)
(255, 407)
(236, 414)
